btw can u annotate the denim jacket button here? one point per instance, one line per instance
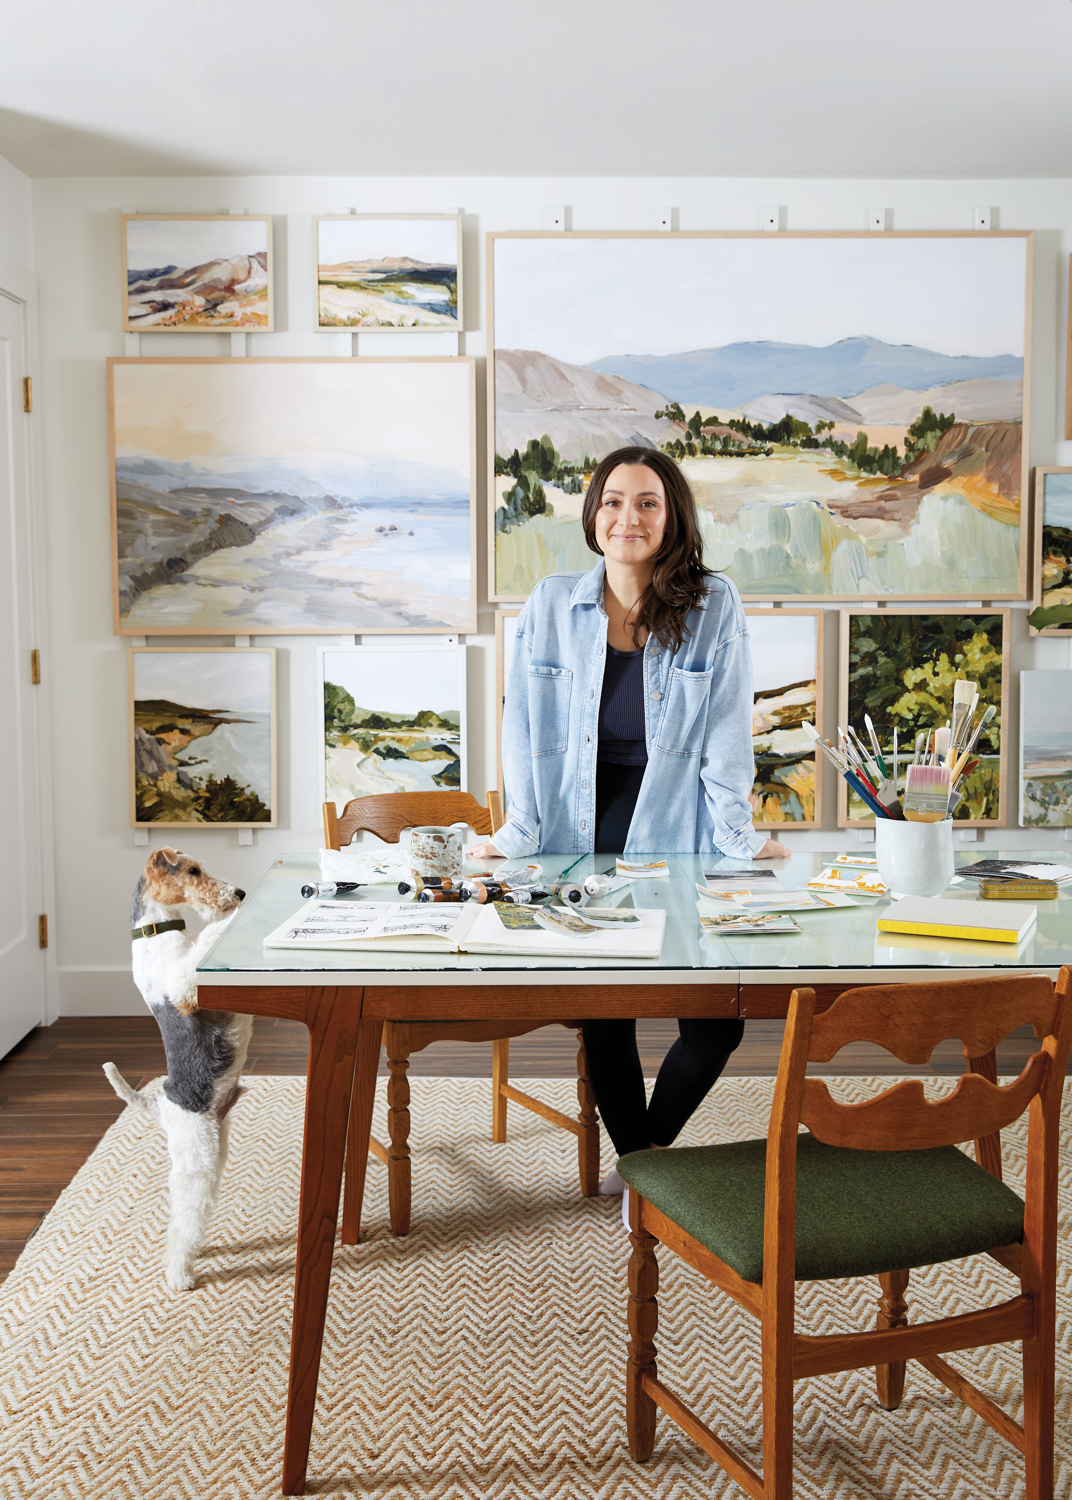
(656, 696)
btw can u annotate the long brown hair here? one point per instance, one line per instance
(679, 582)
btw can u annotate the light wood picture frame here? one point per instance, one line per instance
(388, 273)
(505, 620)
(900, 328)
(202, 737)
(197, 273)
(1052, 551)
(926, 698)
(340, 496)
(1068, 359)
(393, 719)
(787, 659)
(1045, 767)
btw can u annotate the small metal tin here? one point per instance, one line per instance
(1018, 890)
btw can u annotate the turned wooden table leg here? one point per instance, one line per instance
(988, 1147)
(399, 1183)
(500, 1074)
(588, 1140)
(336, 1036)
(640, 1409)
(892, 1307)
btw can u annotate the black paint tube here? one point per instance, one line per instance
(433, 895)
(330, 888)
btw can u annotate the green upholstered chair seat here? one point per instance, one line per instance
(858, 1212)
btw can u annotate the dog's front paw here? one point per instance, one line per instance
(179, 1277)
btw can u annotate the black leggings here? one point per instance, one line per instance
(695, 1060)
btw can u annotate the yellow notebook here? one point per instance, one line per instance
(934, 917)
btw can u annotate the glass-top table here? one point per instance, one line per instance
(843, 939)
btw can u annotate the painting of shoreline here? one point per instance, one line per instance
(1052, 592)
(393, 721)
(899, 666)
(848, 409)
(787, 657)
(287, 496)
(394, 274)
(193, 273)
(1046, 749)
(202, 737)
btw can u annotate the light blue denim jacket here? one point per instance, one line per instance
(697, 717)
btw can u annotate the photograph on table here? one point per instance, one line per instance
(1046, 749)
(505, 630)
(197, 273)
(899, 667)
(787, 666)
(848, 408)
(202, 736)
(282, 496)
(392, 273)
(393, 721)
(1051, 594)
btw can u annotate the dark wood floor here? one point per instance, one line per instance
(55, 1103)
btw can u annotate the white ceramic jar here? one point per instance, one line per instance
(914, 859)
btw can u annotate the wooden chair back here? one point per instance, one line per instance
(387, 815)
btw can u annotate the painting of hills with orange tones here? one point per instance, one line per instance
(194, 273)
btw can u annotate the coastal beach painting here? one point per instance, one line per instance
(1052, 592)
(197, 273)
(787, 668)
(293, 495)
(202, 736)
(899, 666)
(505, 631)
(397, 273)
(393, 721)
(1046, 749)
(849, 408)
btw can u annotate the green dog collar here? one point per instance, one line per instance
(151, 929)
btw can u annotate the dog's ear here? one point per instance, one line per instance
(164, 860)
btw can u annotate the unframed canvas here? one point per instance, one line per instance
(903, 674)
(849, 408)
(388, 273)
(1046, 749)
(197, 273)
(1052, 588)
(787, 664)
(392, 721)
(202, 737)
(289, 496)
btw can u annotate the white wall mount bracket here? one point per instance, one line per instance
(554, 216)
(772, 216)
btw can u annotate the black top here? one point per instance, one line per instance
(621, 710)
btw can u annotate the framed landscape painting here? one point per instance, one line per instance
(849, 408)
(787, 666)
(505, 630)
(197, 273)
(1046, 749)
(899, 666)
(392, 721)
(261, 496)
(202, 737)
(392, 273)
(1052, 592)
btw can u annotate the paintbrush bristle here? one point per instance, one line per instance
(928, 779)
(963, 691)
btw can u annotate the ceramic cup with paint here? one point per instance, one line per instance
(914, 859)
(435, 851)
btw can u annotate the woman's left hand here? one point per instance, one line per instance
(773, 850)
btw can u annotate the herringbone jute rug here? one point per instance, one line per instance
(482, 1356)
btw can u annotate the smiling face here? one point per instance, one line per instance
(631, 518)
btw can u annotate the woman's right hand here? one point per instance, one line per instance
(484, 851)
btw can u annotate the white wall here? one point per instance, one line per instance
(76, 228)
(16, 215)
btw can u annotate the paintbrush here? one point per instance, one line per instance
(875, 746)
(863, 788)
(926, 797)
(962, 760)
(964, 692)
(941, 746)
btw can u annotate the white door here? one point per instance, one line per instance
(22, 962)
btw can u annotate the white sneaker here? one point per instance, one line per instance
(612, 1186)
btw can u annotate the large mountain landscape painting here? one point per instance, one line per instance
(197, 274)
(849, 409)
(293, 495)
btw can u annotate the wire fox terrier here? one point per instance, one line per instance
(205, 1049)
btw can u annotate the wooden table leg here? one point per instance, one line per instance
(359, 1128)
(588, 1140)
(988, 1147)
(333, 1018)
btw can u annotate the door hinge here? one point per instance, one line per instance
(35, 667)
(27, 393)
(42, 932)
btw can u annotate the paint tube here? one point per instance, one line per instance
(568, 892)
(434, 895)
(330, 888)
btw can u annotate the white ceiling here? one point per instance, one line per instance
(745, 88)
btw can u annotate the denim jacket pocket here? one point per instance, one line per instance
(683, 723)
(549, 699)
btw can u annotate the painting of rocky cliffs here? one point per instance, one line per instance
(202, 736)
(849, 409)
(280, 496)
(194, 273)
(395, 274)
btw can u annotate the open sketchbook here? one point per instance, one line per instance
(497, 927)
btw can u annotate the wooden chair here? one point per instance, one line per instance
(755, 1216)
(386, 816)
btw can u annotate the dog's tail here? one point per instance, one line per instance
(125, 1092)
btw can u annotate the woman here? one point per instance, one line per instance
(628, 728)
